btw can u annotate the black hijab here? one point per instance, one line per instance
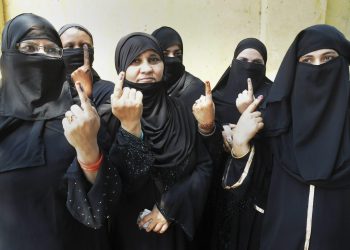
(309, 107)
(166, 123)
(31, 85)
(174, 68)
(74, 57)
(32, 92)
(234, 81)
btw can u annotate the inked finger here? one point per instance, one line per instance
(86, 56)
(207, 88)
(84, 99)
(118, 87)
(250, 87)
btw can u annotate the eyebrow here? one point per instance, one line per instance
(329, 53)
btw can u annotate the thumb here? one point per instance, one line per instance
(254, 105)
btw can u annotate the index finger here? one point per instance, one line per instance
(118, 87)
(207, 88)
(84, 99)
(86, 56)
(250, 87)
(254, 105)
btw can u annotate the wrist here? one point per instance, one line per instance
(239, 150)
(206, 128)
(133, 128)
(89, 154)
(92, 167)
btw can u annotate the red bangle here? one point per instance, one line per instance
(92, 167)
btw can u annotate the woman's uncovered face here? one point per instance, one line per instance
(319, 57)
(146, 68)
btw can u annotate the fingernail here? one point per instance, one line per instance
(260, 97)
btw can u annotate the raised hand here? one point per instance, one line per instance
(83, 74)
(248, 125)
(204, 110)
(245, 98)
(157, 222)
(127, 106)
(81, 125)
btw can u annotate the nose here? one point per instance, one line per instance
(318, 61)
(146, 68)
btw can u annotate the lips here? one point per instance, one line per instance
(146, 80)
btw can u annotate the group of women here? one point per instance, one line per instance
(158, 160)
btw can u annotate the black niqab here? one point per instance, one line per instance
(174, 68)
(166, 123)
(32, 90)
(309, 107)
(234, 81)
(32, 85)
(74, 57)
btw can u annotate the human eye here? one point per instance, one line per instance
(328, 58)
(243, 59)
(136, 61)
(68, 46)
(307, 60)
(166, 53)
(52, 50)
(154, 59)
(258, 61)
(178, 53)
(28, 48)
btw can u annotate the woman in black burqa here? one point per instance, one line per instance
(306, 118)
(231, 215)
(49, 188)
(179, 82)
(73, 37)
(174, 186)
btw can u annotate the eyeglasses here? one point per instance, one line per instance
(32, 48)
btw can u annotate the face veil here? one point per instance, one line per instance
(234, 81)
(32, 85)
(308, 106)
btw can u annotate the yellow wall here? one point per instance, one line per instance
(210, 28)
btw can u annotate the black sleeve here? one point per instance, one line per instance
(238, 174)
(137, 160)
(184, 202)
(92, 204)
(214, 144)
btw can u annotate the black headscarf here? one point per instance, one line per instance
(234, 81)
(309, 106)
(32, 85)
(74, 57)
(166, 123)
(174, 68)
(32, 92)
